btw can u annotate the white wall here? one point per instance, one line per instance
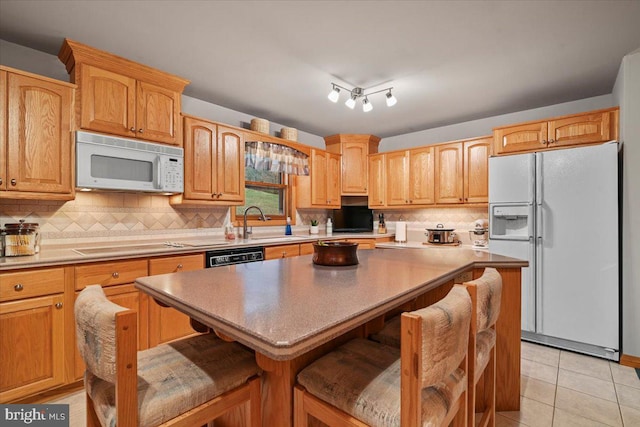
(483, 127)
(627, 93)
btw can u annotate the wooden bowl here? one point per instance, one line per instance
(335, 253)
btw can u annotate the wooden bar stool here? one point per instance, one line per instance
(184, 383)
(486, 293)
(365, 383)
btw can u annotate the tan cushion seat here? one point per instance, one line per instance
(362, 378)
(176, 377)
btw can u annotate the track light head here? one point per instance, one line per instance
(351, 102)
(391, 100)
(334, 94)
(366, 105)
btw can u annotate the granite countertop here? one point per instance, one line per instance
(77, 253)
(285, 307)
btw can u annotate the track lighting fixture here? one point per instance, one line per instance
(358, 92)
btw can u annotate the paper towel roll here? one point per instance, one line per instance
(401, 231)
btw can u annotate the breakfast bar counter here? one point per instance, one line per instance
(291, 311)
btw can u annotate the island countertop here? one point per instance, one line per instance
(285, 307)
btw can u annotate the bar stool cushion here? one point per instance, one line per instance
(485, 340)
(176, 377)
(362, 378)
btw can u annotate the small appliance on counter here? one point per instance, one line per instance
(441, 235)
(479, 236)
(22, 238)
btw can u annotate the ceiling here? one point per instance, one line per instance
(448, 61)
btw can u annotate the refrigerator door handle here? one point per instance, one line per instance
(530, 221)
(539, 182)
(538, 285)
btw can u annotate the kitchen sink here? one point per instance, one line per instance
(274, 239)
(147, 247)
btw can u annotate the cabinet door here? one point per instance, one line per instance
(421, 176)
(449, 170)
(199, 159)
(319, 160)
(39, 144)
(230, 165)
(129, 297)
(587, 128)
(3, 130)
(32, 342)
(108, 101)
(397, 166)
(158, 114)
(476, 170)
(354, 168)
(281, 251)
(333, 180)
(527, 137)
(377, 181)
(166, 323)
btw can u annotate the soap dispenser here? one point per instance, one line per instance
(329, 227)
(287, 229)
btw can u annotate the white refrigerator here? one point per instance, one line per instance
(559, 210)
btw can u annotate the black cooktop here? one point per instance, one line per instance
(352, 230)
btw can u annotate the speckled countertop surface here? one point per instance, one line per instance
(52, 254)
(285, 307)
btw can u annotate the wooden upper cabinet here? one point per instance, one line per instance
(36, 148)
(397, 168)
(449, 173)
(121, 97)
(3, 130)
(377, 181)
(593, 127)
(108, 102)
(158, 113)
(527, 137)
(230, 165)
(325, 179)
(421, 176)
(476, 170)
(214, 164)
(355, 150)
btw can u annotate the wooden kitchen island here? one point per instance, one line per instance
(291, 311)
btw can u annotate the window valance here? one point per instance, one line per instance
(268, 156)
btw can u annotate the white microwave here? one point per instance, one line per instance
(114, 163)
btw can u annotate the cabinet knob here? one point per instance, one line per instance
(132, 129)
(140, 130)
(460, 199)
(13, 181)
(0, 181)
(18, 287)
(115, 274)
(466, 199)
(179, 267)
(58, 305)
(544, 141)
(284, 254)
(551, 141)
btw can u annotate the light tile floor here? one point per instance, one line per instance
(558, 389)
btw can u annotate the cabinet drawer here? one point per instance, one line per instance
(282, 251)
(28, 284)
(110, 273)
(175, 264)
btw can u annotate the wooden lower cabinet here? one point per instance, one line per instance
(33, 346)
(165, 323)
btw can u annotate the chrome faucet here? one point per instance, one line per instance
(245, 234)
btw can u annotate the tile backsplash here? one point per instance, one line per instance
(103, 215)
